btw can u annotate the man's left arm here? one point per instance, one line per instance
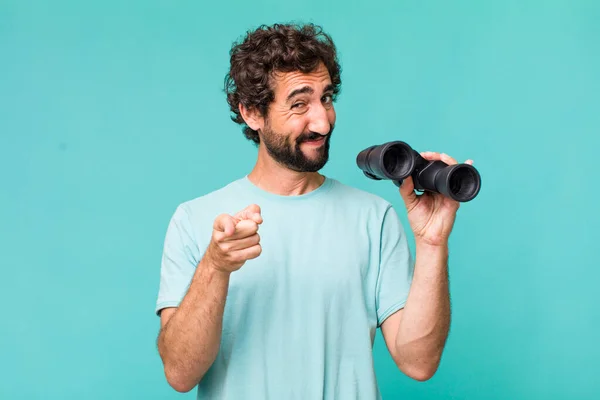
(416, 335)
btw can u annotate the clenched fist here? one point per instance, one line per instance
(235, 239)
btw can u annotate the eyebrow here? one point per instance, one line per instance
(306, 89)
(302, 90)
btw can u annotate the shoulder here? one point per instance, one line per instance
(207, 205)
(360, 197)
(364, 205)
(212, 198)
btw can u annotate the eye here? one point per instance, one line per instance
(297, 105)
(327, 99)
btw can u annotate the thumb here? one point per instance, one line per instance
(407, 191)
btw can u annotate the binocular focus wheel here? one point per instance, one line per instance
(399, 183)
(371, 176)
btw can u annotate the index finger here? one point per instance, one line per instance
(243, 229)
(433, 156)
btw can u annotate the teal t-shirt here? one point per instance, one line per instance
(300, 320)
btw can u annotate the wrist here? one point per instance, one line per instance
(429, 247)
(431, 257)
(216, 270)
(208, 265)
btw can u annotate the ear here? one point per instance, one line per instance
(252, 117)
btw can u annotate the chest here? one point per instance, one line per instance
(326, 255)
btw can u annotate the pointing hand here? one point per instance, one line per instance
(235, 239)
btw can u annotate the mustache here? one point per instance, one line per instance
(312, 136)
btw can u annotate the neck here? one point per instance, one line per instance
(273, 177)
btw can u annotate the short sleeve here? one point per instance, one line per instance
(179, 260)
(395, 269)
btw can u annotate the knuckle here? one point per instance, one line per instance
(226, 247)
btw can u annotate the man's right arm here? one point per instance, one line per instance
(190, 334)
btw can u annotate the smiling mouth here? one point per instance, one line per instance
(315, 140)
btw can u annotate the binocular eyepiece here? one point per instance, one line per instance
(396, 161)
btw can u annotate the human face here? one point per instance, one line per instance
(301, 118)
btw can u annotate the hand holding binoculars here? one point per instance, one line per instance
(396, 161)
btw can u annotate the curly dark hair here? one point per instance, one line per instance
(276, 48)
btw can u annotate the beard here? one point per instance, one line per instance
(288, 152)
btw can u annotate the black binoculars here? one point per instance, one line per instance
(396, 161)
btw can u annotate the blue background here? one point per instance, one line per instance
(112, 113)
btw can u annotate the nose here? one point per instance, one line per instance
(320, 120)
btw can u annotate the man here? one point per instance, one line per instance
(273, 286)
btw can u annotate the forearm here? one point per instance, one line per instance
(425, 321)
(189, 342)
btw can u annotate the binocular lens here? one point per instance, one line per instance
(396, 160)
(463, 183)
